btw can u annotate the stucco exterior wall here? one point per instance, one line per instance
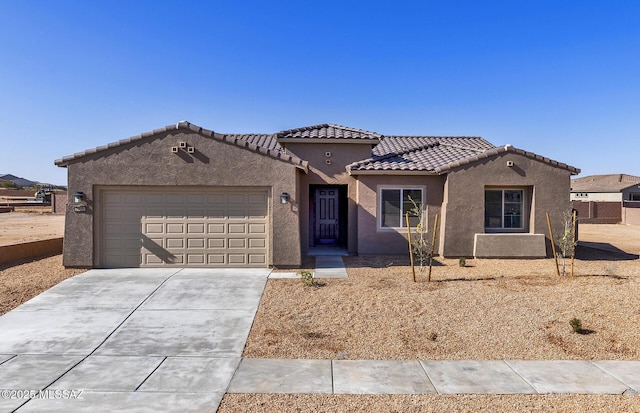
(375, 240)
(321, 173)
(214, 164)
(549, 189)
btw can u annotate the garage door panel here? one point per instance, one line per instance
(257, 259)
(154, 228)
(175, 228)
(196, 243)
(237, 228)
(196, 258)
(257, 228)
(216, 228)
(237, 243)
(216, 242)
(196, 228)
(237, 259)
(174, 243)
(257, 243)
(182, 228)
(257, 199)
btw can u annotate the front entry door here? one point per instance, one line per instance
(326, 226)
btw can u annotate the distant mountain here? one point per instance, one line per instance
(18, 181)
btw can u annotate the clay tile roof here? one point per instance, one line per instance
(604, 183)
(437, 155)
(264, 144)
(420, 153)
(328, 131)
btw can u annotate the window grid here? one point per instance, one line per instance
(396, 203)
(504, 209)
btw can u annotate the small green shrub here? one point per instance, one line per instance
(576, 325)
(307, 278)
(462, 262)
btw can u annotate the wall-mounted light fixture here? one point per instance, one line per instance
(509, 164)
(284, 198)
(79, 202)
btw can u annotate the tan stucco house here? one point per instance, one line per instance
(187, 196)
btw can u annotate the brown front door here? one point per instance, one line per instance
(326, 226)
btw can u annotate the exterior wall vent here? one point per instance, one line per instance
(182, 144)
(191, 149)
(174, 149)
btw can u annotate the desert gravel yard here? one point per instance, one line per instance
(491, 309)
(21, 282)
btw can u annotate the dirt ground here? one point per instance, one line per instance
(22, 226)
(490, 309)
(623, 237)
(21, 282)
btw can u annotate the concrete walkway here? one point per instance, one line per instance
(329, 266)
(436, 377)
(135, 340)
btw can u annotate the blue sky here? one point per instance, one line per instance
(559, 78)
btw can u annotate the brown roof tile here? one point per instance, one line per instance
(603, 183)
(328, 131)
(437, 155)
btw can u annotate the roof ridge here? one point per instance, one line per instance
(470, 148)
(349, 128)
(286, 132)
(300, 129)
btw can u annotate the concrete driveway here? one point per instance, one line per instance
(140, 340)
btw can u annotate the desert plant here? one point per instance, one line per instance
(421, 244)
(576, 325)
(307, 278)
(566, 240)
(462, 261)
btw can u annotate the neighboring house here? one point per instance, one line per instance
(606, 188)
(607, 199)
(186, 196)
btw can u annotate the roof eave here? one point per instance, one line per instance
(489, 153)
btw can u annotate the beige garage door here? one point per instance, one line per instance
(200, 228)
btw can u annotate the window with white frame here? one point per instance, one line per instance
(395, 203)
(503, 209)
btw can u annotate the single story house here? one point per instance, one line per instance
(187, 196)
(606, 188)
(607, 199)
